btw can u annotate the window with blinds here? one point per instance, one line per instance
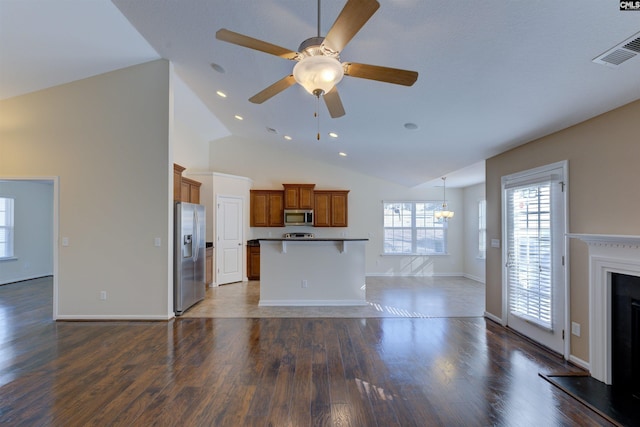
(6, 227)
(529, 254)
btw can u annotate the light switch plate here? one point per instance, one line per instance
(495, 243)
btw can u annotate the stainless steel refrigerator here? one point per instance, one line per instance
(189, 256)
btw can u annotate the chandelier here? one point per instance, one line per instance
(444, 214)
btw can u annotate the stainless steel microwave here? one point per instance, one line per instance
(298, 217)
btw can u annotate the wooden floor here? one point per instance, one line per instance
(271, 371)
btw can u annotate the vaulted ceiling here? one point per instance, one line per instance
(492, 74)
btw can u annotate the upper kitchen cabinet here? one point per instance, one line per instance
(298, 196)
(267, 208)
(185, 189)
(177, 181)
(330, 208)
(190, 191)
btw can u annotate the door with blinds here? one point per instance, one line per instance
(534, 206)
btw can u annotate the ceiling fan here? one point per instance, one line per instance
(319, 68)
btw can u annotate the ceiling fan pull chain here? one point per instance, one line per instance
(317, 114)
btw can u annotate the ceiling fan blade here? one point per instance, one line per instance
(381, 74)
(334, 104)
(273, 90)
(354, 15)
(246, 41)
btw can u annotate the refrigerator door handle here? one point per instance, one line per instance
(196, 231)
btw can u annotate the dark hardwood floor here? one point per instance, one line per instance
(271, 371)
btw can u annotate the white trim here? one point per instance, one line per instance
(415, 275)
(607, 254)
(613, 240)
(310, 303)
(579, 362)
(98, 317)
(475, 278)
(494, 318)
(525, 177)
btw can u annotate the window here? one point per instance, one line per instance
(411, 228)
(6, 227)
(482, 229)
(530, 252)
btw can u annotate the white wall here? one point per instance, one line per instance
(33, 230)
(193, 127)
(269, 169)
(217, 184)
(474, 267)
(106, 138)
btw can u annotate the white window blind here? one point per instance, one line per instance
(529, 254)
(6, 227)
(482, 229)
(410, 228)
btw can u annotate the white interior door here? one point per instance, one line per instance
(229, 259)
(534, 252)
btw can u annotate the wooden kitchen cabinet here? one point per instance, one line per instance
(298, 196)
(185, 189)
(267, 208)
(330, 208)
(177, 181)
(209, 266)
(190, 191)
(253, 262)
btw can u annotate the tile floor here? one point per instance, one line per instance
(405, 296)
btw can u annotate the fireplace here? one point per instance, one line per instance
(613, 259)
(625, 325)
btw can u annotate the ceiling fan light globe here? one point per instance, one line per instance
(318, 73)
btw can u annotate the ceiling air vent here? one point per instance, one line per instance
(620, 53)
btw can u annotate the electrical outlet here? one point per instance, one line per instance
(65, 241)
(103, 295)
(156, 242)
(575, 329)
(305, 284)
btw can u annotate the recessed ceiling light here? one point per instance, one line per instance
(333, 134)
(238, 117)
(217, 67)
(410, 126)
(221, 94)
(342, 154)
(287, 137)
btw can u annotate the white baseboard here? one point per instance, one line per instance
(99, 317)
(310, 303)
(25, 278)
(581, 363)
(493, 317)
(476, 278)
(415, 275)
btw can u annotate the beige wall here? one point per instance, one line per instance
(603, 156)
(106, 138)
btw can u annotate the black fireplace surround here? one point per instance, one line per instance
(625, 349)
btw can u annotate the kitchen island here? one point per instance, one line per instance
(312, 272)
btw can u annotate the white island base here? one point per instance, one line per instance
(312, 272)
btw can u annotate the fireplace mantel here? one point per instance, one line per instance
(607, 239)
(607, 254)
